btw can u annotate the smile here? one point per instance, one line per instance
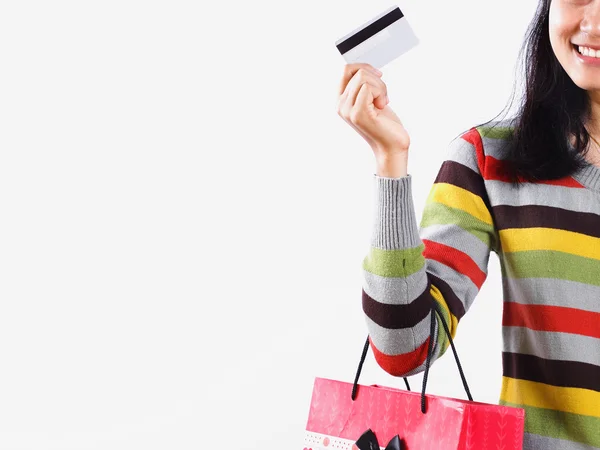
(585, 51)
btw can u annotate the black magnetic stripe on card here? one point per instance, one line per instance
(370, 30)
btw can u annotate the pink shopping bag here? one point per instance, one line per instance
(349, 416)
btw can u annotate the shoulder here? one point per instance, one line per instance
(482, 146)
(495, 136)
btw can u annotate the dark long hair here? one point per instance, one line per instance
(552, 108)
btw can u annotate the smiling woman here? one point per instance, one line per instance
(526, 188)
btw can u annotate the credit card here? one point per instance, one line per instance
(380, 40)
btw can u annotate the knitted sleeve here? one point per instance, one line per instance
(444, 259)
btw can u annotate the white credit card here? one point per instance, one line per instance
(378, 41)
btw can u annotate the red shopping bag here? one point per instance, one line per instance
(349, 416)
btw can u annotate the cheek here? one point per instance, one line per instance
(564, 20)
(556, 37)
(561, 21)
(561, 33)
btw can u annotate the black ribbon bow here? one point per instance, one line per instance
(368, 441)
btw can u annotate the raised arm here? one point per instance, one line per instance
(444, 260)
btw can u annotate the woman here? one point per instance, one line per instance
(527, 189)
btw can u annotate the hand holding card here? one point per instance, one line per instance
(361, 86)
(380, 40)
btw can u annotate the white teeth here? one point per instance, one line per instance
(589, 52)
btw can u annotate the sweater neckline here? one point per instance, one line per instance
(589, 176)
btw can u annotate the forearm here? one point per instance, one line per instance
(443, 260)
(396, 298)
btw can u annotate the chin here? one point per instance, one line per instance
(586, 84)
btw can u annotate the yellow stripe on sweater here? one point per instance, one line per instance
(540, 395)
(525, 239)
(452, 322)
(456, 197)
(437, 295)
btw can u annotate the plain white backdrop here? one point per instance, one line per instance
(183, 215)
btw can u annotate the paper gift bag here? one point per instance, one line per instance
(349, 416)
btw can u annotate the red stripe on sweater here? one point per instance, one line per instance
(552, 318)
(491, 168)
(398, 365)
(455, 259)
(473, 137)
(497, 169)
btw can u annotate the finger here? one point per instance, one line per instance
(348, 98)
(379, 89)
(364, 100)
(351, 69)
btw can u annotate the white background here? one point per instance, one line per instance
(183, 215)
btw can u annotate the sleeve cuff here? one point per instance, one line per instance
(395, 224)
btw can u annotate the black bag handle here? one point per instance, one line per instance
(435, 309)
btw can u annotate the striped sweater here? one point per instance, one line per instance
(547, 238)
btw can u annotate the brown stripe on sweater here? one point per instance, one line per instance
(394, 316)
(464, 177)
(551, 371)
(533, 216)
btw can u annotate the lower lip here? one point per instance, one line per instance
(587, 59)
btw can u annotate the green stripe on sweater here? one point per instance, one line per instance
(394, 263)
(561, 425)
(552, 264)
(440, 214)
(496, 132)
